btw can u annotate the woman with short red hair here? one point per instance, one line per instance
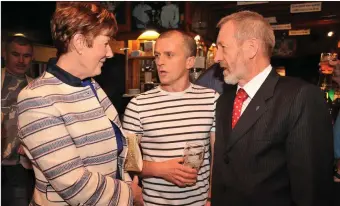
(69, 128)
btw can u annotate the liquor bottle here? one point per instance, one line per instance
(330, 106)
(148, 70)
(199, 66)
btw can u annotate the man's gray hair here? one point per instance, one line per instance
(249, 25)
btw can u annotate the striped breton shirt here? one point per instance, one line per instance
(67, 134)
(166, 121)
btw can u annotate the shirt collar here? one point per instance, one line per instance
(254, 84)
(21, 77)
(63, 75)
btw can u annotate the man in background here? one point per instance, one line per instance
(17, 177)
(212, 78)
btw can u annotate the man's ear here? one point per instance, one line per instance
(251, 48)
(78, 42)
(190, 62)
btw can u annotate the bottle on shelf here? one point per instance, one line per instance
(200, 65)
(147, 77)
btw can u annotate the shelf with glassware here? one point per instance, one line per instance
(329, 81)
(140, 72)
(204, 58)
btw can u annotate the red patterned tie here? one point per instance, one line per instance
(241, 96)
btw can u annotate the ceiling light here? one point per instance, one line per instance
(148, 35)
(197, 38)
(330, 34)
(19, 34)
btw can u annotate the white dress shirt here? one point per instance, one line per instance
(253, 86)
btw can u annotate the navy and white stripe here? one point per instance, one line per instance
(167, 121)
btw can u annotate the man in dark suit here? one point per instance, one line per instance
(274, 143)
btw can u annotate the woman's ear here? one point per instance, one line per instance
(79, 43)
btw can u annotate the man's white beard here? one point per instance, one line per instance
(229, 78)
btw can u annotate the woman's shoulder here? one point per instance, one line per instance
(44, 85)
(44, 79)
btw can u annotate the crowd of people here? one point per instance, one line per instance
(268, 140)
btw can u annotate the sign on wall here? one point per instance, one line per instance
(305, 7)
(282, 27)
(299, 32)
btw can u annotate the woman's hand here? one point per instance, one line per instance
(137, 192)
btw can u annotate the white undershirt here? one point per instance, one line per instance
(254, 85)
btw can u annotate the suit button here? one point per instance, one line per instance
(226, 159)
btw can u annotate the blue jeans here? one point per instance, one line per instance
(17, 184)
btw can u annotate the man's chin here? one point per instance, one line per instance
(230, 81)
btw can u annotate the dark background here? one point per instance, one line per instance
(33, 20)
(29, 18)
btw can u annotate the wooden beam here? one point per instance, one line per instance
(317, 23)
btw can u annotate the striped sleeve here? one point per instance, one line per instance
(217, 95)
(50, 147)
(131, 120)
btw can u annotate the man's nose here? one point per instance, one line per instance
(218, 56)
(159, 61)
(21, 59)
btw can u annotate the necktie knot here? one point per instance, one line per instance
(242, 95)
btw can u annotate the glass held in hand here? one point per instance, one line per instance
(194, 154)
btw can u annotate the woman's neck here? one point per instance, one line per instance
(69, 63)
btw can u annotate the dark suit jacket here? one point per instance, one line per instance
(212, 78)
(280, 152)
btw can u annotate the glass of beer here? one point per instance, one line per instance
(194, 154)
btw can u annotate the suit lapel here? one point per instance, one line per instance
(254, 110)
(226, 104)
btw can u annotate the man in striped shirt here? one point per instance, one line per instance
(169, 116)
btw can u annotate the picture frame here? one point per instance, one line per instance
(284, 48)
(157, 15)
(122, 12)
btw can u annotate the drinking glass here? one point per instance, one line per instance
(194, 154)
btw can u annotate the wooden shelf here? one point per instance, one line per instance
(142, 57)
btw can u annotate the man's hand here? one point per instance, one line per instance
(137, 192)
(175, 172)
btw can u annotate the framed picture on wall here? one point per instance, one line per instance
(122, 12)
(157, 14)
(284, 47)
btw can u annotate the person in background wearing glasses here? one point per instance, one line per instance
(274, 138)
(17, 176)
(166, 118)
(69, 128)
